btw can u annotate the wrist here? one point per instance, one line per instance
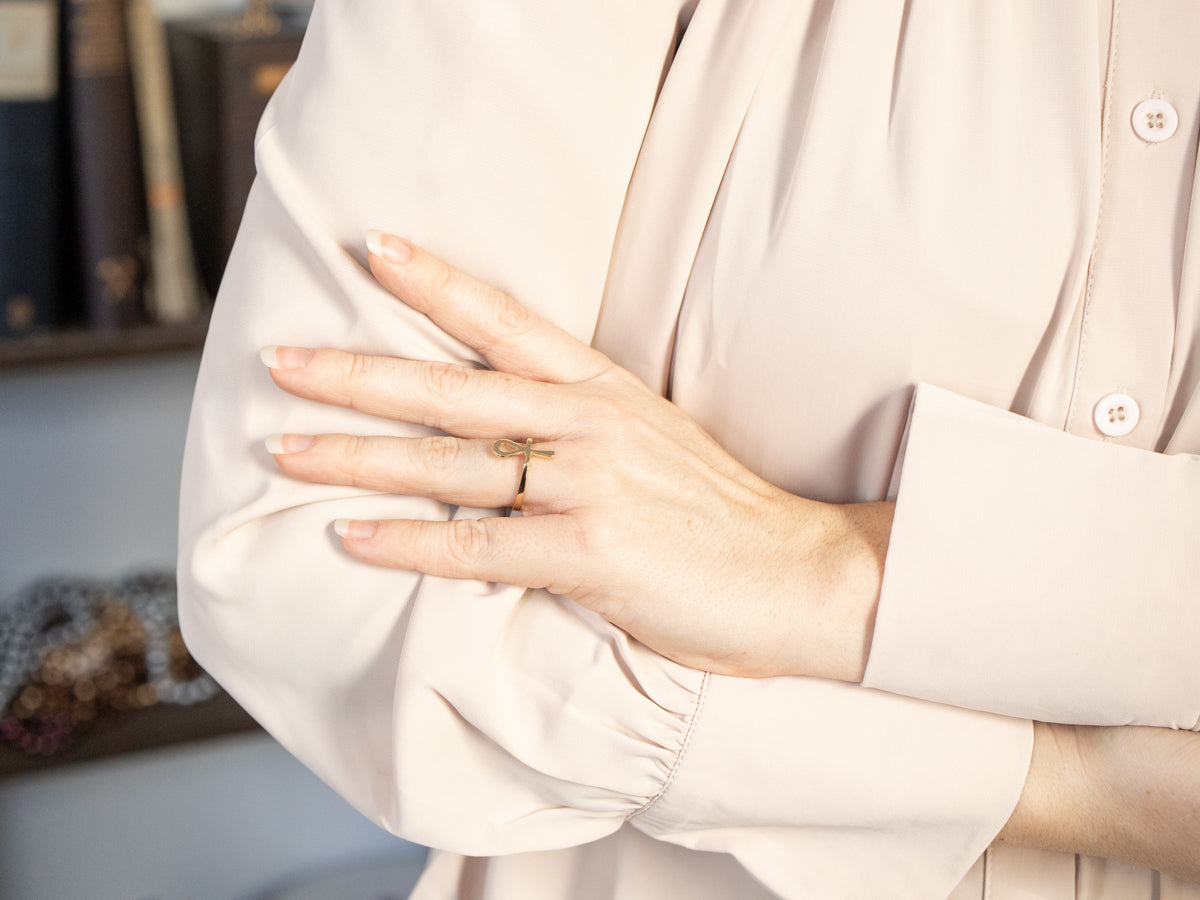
(1148, 784)
(838, 613)
(1124, 793)
(1058, 809)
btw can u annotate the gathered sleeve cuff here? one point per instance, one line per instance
(826, 789)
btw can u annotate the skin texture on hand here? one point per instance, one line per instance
(640, 516)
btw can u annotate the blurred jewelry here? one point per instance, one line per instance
(505, 449)
(73, 651)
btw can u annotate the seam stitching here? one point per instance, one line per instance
(1109, 80)
(683, 748)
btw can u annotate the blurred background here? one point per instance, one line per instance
(126, 132)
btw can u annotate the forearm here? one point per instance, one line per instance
(1123, 793)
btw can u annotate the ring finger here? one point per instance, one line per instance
(441, 467)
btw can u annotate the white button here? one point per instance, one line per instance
(1154, 120)
(1116, 415)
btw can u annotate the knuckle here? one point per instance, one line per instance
(608, 475)
(357, 367)
(611, 372)
(356, 449)
(438, 454)
(446, 279)
(599, 408)
(581, 540)
(598, 538)
(512, 318)
(508, 324)
(470, 542)
(445, 381)
(356, 456)
(611, 407)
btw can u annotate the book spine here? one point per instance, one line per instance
(30, 174)
(110, 210)
(223, 79)
(173, 291)
(197, 88)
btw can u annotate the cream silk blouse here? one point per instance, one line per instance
(930, 250)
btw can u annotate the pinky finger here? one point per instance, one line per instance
(527, 551)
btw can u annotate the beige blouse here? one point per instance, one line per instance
(929, 250)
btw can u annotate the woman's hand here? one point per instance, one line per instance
(640, 515)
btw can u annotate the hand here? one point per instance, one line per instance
(1128, 793)
(640, 516)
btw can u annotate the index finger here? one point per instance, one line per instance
(511, 338)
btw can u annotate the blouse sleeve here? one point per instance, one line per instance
(1014, 542)
(475, 717)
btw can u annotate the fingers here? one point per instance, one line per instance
(510, 337)
(450, 398)
(526, 552)
(464, 473)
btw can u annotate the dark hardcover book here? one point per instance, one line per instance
(224, 72)
(109, 199)
(30, 166)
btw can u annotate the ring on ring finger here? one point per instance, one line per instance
(506, 449)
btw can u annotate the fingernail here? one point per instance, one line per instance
(285, 357)
(388, 247)
(354, 529)
(278, 444)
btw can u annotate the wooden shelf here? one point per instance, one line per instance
(146, 729)
(82, 345)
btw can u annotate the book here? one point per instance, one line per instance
(173, 292)
(30, 176)
(109, 200)
(224, 73)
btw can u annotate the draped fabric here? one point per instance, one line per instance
(908, 249)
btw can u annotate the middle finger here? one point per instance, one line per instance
(471, 403)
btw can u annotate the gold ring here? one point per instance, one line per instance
(505, 449)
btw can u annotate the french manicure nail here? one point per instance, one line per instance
(388, 247)
(278, 444)
(285, 357)
(354, 529)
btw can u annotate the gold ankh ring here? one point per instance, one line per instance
(505, 449)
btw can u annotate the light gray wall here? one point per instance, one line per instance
(89, 471)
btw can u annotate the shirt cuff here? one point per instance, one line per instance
(825, 789)
(1038, 574)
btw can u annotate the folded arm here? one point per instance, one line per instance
(476, 716)
(480, 717)
(707, 596)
